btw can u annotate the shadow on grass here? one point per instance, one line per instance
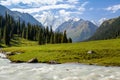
(15, 43)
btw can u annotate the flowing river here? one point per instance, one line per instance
(72, 71)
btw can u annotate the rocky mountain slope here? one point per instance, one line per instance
(78, 30)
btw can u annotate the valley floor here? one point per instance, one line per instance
(104, 52)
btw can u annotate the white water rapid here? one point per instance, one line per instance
(24, 71)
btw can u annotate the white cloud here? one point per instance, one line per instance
(73, 1)
(48, 12)
(64, 13)
(54, 19)
(76, 19)
(42, 8)
(43, 2)
(84, 4)
(113, 8)
(82, 7)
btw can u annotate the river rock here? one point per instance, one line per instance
(34, 60)
(10, 53)
(53, 62)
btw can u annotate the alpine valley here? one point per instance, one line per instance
(59, 39)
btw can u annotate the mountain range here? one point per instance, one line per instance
(109, 29)
(78, 30)
(27, 18)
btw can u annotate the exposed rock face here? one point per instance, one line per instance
(34, 60)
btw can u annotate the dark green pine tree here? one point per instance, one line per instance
(24, 33)
(28, 31)
(52, 38)
(0, 34)
(0, 28)
(40, 37)
(46, 31)
(18, 28)
(6, 36)
(12, 31)
(64, 39)
(37, 29)
(22, 29)
(59, 37)
(69, 40)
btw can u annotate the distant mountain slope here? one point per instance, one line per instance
(78, 30)
(109, 29)
(17, 15)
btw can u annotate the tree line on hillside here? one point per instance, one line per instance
(109, 29)
(9, 27)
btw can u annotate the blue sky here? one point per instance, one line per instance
(62, 10)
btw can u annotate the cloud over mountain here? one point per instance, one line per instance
(113, 8)
(59, 11)
(43, 9)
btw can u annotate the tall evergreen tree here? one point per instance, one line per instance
(52, 39)
(0, 34)
(6, 35)
(24, 33)
(18, 28)
(69, 40)
(22, 29)
(64, 39)
(9, 27)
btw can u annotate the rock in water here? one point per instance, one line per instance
(34, 60)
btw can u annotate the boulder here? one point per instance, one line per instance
(34, 60)
(90, 52)
(10, 53)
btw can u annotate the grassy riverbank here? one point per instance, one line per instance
(107, 52)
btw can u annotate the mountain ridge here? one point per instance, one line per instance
(27, 18)
(78, 30)
(109, 29)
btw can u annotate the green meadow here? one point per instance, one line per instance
(106, 52)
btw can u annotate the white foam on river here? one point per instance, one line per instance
(24, 71)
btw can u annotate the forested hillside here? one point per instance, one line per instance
(109, 29)
(9, 28)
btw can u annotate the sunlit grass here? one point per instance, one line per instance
(107, 52)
